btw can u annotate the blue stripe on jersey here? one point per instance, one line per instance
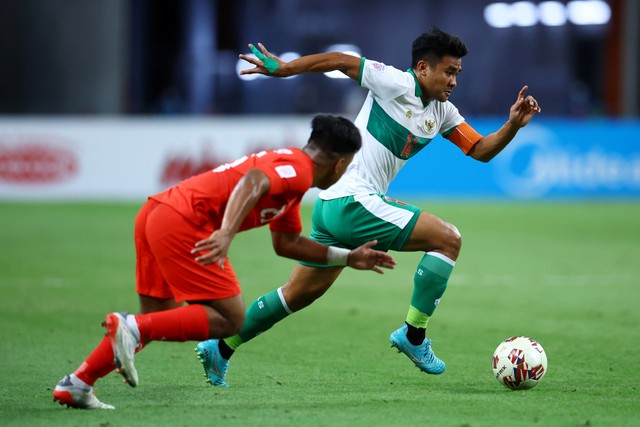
(395, 137)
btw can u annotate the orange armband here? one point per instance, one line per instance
(464, 136)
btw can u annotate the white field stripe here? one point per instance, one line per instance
(282, 300)
(388, 213)
(445, 258)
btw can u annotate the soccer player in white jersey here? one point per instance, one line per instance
(403, 112)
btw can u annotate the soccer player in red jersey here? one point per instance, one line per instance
(182, 237)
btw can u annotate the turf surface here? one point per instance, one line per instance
(566, 274)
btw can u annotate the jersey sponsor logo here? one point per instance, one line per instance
(286, 171)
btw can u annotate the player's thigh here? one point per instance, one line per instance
(355, 220)
(431, 233)
(171, 238)
(307, 283)
(149, 280)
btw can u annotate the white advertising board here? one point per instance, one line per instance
(116, 159)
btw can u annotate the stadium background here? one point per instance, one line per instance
(137, 82)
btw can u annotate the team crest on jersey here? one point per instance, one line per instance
(429, 125)
(408, 114)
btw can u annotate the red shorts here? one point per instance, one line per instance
(165, 266)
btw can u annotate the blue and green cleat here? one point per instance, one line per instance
(215, 366)
(421, 355)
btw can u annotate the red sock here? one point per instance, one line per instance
(187, 323)
(98, 364)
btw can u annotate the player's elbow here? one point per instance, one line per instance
(481, 156)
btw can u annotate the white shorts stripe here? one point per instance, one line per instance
(394, 215)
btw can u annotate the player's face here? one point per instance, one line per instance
(439, 80)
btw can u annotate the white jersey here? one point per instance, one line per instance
(395, 124)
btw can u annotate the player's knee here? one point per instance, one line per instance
(454, 240)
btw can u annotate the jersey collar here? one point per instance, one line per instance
(418, 88)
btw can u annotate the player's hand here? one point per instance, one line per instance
(365, 258)
(524, 109)
(265, 63)
(217, 244)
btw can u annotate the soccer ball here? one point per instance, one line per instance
(519, 363)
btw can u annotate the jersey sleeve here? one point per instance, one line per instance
(289, 221)
(385, 81)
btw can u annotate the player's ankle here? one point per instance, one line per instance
(225, 351)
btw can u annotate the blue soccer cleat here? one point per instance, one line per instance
(215, 366)
(421, 355)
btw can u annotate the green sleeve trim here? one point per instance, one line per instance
(360, 71)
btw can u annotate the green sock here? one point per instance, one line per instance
(261, 315)
(429, 284)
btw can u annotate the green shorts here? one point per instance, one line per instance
(349, 222)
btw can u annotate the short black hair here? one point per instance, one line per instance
(433, 45)
(334, 134)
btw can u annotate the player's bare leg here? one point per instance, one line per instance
(307, 284)
(441, 243)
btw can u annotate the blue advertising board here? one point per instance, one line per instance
(548, 159)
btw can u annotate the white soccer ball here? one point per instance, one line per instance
(519, 363)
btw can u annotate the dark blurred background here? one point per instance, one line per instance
(153, 57)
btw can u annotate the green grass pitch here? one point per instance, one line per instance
(567, 274)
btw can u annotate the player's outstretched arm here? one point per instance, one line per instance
(520, 114)
(295, 246)
(271, 65)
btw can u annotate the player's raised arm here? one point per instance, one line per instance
(520, 114)
(270, 65)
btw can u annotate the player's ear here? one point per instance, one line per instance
(422, 66)
(343, 163)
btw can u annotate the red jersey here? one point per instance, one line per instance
(203, 198)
